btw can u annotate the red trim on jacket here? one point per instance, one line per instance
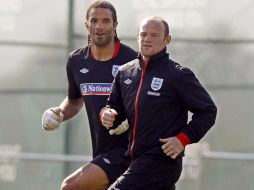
(183, 138)
(136, 110)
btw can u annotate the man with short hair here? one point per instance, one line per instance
(155, 94)
(90, 72)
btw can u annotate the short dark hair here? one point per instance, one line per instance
(103, 5)
(166, 27)
(156, 18)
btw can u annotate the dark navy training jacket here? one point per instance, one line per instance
(155, 98)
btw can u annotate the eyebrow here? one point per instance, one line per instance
(153, 33)
(107, 18)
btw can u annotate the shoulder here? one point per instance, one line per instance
(77, 56)
(181, 73)
(179, 69)
(130, 65)
(78, 52)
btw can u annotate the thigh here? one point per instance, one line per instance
(147, 173)
(88, 177)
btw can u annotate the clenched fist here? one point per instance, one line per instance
(52, 118)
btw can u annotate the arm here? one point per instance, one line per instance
(52, 117)
(72, 104)
(196, 99)
(70, 108)
(114, 113)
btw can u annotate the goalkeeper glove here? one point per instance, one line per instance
(120, 129)
(52, 118)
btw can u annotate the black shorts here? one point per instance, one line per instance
(113, 162)
(150, 173)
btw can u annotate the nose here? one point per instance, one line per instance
(147, 38)
(98, 25)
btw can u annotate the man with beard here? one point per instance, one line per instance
(90, 72)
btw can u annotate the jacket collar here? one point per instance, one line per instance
(163, 53)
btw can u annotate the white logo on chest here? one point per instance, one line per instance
(115, 69)
(127, 81)
(156, 83)
(106, 160)
(84, 70)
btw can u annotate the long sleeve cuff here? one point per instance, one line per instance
(183, 138)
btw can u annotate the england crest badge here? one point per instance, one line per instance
(156, 83)
(115, 69)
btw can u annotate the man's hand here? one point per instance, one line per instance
(108, 117)
(172, 146)
(120, 129)
(52, 118)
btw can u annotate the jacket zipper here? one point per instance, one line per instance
(136, 110)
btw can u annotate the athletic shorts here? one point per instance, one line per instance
(150, 173)
(113, 162)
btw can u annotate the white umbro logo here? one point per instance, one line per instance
(84, 70)
(127, 81)
(106, 160)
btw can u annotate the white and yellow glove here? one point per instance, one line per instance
(52, 118)
(120, 129)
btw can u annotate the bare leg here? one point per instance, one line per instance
(88, 177)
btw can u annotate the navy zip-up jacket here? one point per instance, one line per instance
(155, 98)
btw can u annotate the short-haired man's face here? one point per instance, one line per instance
(151, 37)
(101, 26)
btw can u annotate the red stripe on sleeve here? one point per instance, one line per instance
(184, 139)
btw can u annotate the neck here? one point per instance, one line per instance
(146, 59)
(103, 53)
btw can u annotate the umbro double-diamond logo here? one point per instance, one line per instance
(106, 160)
(84, 70)
(127, 81)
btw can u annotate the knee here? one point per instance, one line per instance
(66, 185)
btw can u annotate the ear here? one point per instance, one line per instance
(115, 24)
(167, 40)
(86, 24)
(138, 37)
